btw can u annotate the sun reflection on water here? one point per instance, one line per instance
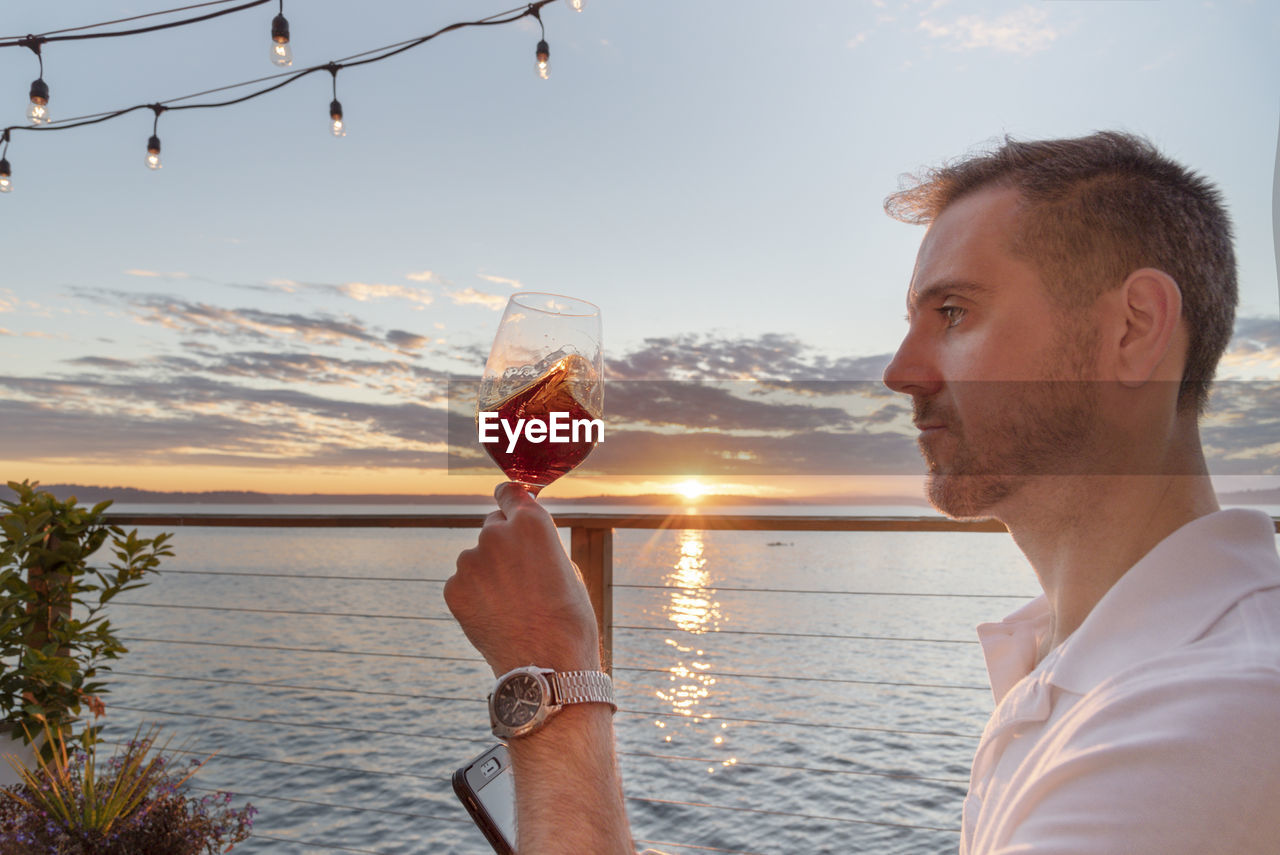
(692, 608)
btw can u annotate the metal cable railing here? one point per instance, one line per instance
(166, 643)
(222, 754)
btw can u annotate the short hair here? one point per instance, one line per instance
(1095, 209)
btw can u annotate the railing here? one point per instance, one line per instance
(591, 535)
(591, 547)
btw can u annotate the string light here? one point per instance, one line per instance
(40, 97)
(38, 111)
(543, 68)
(281, 53)
(336, 126)
(544, 60)
(153, 144)
(5, 183)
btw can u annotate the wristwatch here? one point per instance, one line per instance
(523, 699)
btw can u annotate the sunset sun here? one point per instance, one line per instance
(691, 489)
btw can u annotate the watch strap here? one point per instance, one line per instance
(582, 687)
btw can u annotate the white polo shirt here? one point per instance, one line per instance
(1155, 727)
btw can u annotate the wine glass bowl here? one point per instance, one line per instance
(542, 393)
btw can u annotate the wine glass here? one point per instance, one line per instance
(540, 409)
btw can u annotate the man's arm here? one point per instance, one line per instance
(520, 601)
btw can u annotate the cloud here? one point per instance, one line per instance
(766, 358)
(421, 276)
(1254, 351)
(9, 302)
(470, 296)
(252, 387)
(1023, 31)
(364, 291)
(201, 420)
(218, 325)
(104, 362)
(501, 280)
(407, 341)
(156, 274)
(204, 319)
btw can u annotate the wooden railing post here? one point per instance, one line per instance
(592, 550)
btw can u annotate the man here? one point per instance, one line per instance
(1069, 304)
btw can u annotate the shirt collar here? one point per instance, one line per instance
(1010, 645)
(1171, 596)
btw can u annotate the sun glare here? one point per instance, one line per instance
(691, 489)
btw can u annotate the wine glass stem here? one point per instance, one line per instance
(531, 489)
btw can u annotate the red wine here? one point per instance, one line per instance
(560, 390)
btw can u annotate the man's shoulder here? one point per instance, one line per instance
(1223, 685)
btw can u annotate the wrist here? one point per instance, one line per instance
(568, 730)
(584, 658)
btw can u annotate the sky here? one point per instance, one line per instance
(281, 310)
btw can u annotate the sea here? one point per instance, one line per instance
(779, 692)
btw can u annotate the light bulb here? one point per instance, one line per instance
(153, 153)
(281, 53)
(5, 183)
(38, 112)
(577, 5)
(337, 126)
(544, 60)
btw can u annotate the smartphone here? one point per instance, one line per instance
(487, 790)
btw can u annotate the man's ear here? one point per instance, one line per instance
(1151, 304)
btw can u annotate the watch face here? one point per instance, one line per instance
(518, 700)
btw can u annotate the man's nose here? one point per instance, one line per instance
(911, 371)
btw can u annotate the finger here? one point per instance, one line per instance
(468, 560)
(512, 497)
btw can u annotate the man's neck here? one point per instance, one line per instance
(1082, 533)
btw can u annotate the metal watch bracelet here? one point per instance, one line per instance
(582, 687)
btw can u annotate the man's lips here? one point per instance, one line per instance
(926, 427)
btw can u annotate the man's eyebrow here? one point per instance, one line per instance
(935, 290)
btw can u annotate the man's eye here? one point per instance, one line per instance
(953, 314)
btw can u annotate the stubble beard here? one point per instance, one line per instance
(1043, 429)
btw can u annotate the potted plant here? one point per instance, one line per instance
(135, 803)
(55, 639)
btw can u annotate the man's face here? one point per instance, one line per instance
(992, 365)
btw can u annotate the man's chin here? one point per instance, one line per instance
(968, 497)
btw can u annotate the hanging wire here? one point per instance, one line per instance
(380, 54)
(302, 612)
(34, 41)
(35, 48)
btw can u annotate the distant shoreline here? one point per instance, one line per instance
(90, 494)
